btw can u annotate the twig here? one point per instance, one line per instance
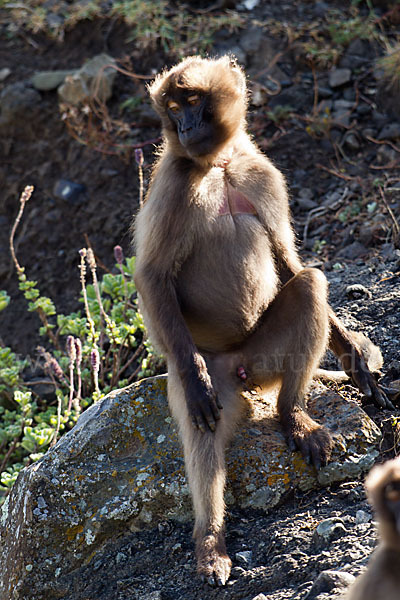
(134, 356)
(26, 194)
(395, 223)
(335, 173)
(11, 449)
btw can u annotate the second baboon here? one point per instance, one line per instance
(381, 581)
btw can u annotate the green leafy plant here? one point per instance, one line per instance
(88, 353)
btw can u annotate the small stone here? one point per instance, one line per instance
(368, 132)
(356, 290)
(328, 581)
(341, 118)
(68, 190)
(386, 154)
(324, 92)
(363, 109)
(363, 517)
(245, 558)
(4, 73)
(390, 132)
(304, 199)
(328, 530)
(351, 141)
(341, 105)
(250, 4)
(354, 250)
(260, 597)
(338, 77)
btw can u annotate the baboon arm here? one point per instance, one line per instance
(158, 294)
(353, 362)
(162, 306)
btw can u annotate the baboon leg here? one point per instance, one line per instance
(288, 344)
(205, 467)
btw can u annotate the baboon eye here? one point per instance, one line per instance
(194, 99)
(173, 106)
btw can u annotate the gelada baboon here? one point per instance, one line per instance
(222, 290)
(381, 581)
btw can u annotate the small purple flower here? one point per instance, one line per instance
(90, 258)
(55, 367)
(119, 254)
(95, 360)
(78, 350)
(139, 156)
(71, 349)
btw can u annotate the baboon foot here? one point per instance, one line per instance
(304, 434)
(213, 563)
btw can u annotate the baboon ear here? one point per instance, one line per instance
(238, 73)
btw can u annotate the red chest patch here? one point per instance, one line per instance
(235, 203)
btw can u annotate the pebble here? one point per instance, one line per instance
(363, 517)
(324, 92)
(341, 105)
(356, 290)
(68, 190)
(245, 557)
(328, 530)
(351, 141)
(352, 251)
(390, 132)
(338, 77)
(260, 597)
(304, 199)
(4, 73)
(328, 581)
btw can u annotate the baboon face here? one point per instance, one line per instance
(191, 114)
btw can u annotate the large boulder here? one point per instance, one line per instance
(121, 469)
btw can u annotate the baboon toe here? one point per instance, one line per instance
(313, 440)
(213, 564)
(215, 570)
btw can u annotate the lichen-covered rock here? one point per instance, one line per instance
(121, 468)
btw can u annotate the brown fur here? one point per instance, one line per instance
(223, 292)
(382, 577)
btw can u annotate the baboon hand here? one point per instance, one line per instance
(366, 382)
(202, 401)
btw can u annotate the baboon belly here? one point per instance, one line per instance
(226, 284)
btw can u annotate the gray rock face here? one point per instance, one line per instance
(93, 80)
(121, 469)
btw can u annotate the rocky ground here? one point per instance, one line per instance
(334, 132)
